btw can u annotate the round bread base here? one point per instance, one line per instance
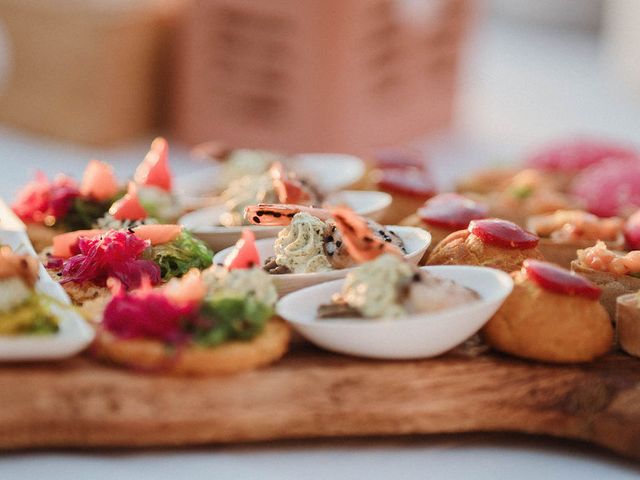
(230, 357)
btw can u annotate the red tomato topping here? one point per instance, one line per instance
(407, 181)
(559, 280)
(450, 210)
(245, 254)
(154, 169)
(99, 182)
(495, 231)
(129, 206)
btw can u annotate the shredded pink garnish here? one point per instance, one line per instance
(116, 254)
(42, 199)
(147, 313)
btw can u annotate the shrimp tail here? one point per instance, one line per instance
(272, 214)
(361, 242)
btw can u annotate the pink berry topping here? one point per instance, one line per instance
(559, 280)
(610, 188)
(632, 231)
(578, 154)
(450, 210)
(407, 181)
(501, 233)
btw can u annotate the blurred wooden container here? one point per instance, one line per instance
(84, 70)
(321, 75)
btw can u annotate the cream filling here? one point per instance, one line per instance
(300, 246)
(373, 288)
(252, 282)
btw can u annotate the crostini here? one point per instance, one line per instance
(207, 323)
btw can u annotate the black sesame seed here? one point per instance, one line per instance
(260, 213)
(277, 214)
(339, 243)
(256, 219)
(416, 277)
(329, 238)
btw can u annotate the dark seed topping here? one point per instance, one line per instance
(277, 214)
(329, 238)
(260, 213)
(256, 219)
(130, 230)
(339, 243)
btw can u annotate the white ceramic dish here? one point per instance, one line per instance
(415, 336)
(203, 223)
(74, 334)
(416, 241)
(329, 171)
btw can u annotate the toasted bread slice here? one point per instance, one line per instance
(228, 358)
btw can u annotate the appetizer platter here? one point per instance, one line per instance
(512, 304)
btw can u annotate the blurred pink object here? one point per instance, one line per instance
(318, 75)
(611, 188)
(572, 156)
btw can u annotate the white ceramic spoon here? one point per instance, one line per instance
(330, 172)
(416, 242)
(414, 336)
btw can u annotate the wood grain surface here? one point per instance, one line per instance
(79, 403)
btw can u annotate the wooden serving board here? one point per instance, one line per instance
(80, 403)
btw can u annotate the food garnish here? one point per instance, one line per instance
(450, 210)
(559, 280)
(503, 234)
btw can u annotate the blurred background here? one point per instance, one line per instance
(470, 82)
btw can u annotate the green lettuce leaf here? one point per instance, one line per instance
(181, 255)
(231, 318)
(84, 213)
